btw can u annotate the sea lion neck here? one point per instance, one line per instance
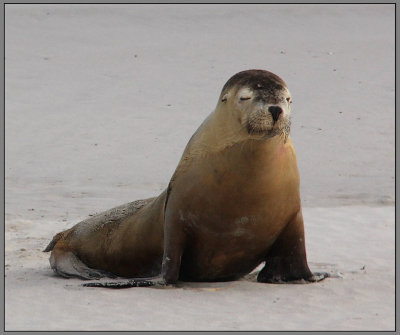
(216, 135)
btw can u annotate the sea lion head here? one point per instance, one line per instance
(259, 101)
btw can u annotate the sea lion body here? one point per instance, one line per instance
(232, 203)
(226, 216)
(125, 241)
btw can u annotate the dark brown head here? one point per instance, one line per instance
(257, 80)
(260, 100)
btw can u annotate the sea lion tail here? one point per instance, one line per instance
(53, 242)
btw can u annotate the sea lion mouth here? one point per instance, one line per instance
(261, 129)
(269, 129)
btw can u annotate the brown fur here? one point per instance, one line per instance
(232, 203)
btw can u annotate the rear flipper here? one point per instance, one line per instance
(67, 264)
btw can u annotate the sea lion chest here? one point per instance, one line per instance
(232, 206)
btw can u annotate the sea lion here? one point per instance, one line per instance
(232, 203)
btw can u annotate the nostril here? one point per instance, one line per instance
(275, 112)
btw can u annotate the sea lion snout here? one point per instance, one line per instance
(275, 111)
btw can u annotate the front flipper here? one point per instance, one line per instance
(139, 282)
(318, 276)
(286, 261)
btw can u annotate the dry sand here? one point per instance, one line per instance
(100, 102)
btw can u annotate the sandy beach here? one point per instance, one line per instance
(100, 101)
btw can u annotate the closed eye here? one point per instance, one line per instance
(245, 98)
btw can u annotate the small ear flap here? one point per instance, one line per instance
(225, 97)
